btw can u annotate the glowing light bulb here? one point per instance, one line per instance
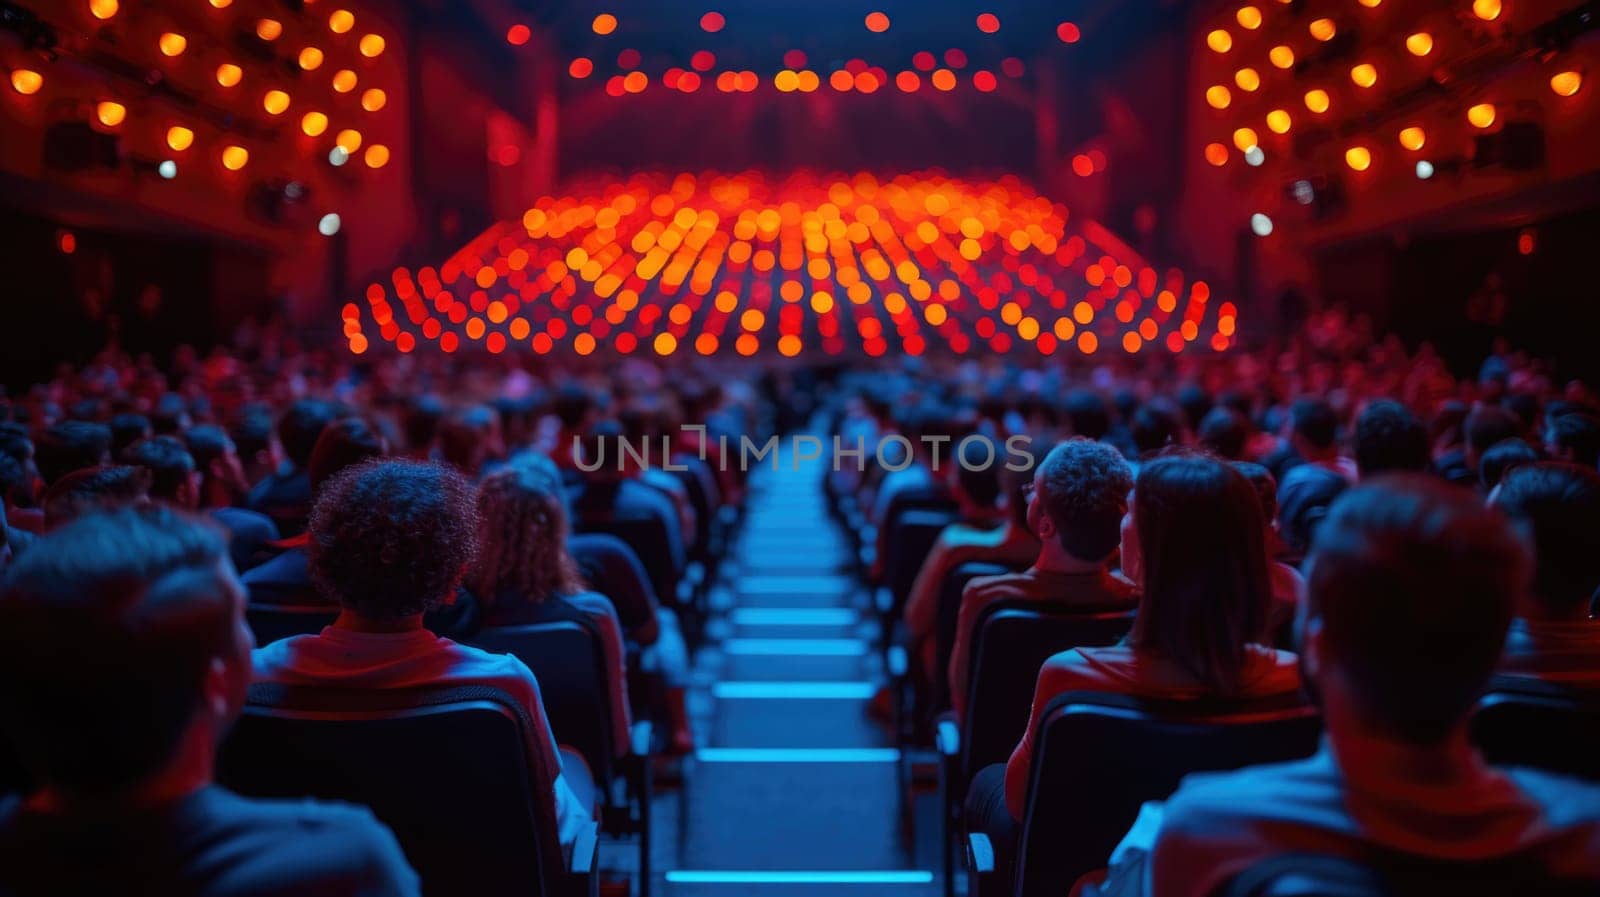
(172, 43)
(1248, 79)
(373, 99)
(604, 23)
(234, 157)
(1566, 84)
(349, 139)
(1244, 138)
(329, 224)
(1323, 29)
(344, 81)
(1220, 41)
(269, 29)
(376, 156)
(1481, 115)
(341, 21)
(103, 9)
(1420, 43)
(110, 113)
(371, 45)
(1279, 122)
(313, 124)
(1413, 138)
(1487, 10)
(1359, 158)
(26, 81)
(1216, 154)
(1260, 225)
(1317, 100)
(1364, 75)
(179, 138)
(877, 22)
(275, 102)
(1218, 96)
(229, 74)
(1281, 56)
(310, 58)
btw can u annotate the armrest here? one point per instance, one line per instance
(899, 663)
(640, 736)
(585, 850)
(980, 853)
(947, 737)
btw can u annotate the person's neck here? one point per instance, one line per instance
(187, 772)
(1055, 559)
(1364, 754)
(355, 622)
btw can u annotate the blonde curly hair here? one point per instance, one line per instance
(523, 535)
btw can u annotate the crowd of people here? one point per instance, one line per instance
(1335, 517)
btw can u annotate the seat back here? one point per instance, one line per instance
(1011, 640)
(1313, 875)
(647, 536)
(271, 622)
(1097, 757)
(447, 769)
(950, 590)
(568, 659)
(908, 541)
(1531, 722)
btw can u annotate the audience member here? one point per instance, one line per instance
(285, 494)
(1573, 436)
(94, 489)
(69, 446)
(1389, 438)
(1500, 459)
(222, 487)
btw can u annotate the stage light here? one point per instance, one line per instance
(313, 123)
(1420, 43)
(988, 23)
(702, 60)
(26, 81)
(344, 81)
(329, 224)
(1218, 96)
(275, 102)
(221, 4)
(877, 22)
(310, 58)
(1566, 84)
(338, 156)
(1279, 122)
(234, 157)
(1413, 138)
(604, 23)
(172, 43)
(371, 45)
(1068, 33)
(984, 81)
(1248, 79)
(1282, 56)
(1364, 75)
(110, 113)
(229, 74)
(1372, 4)
(1487, 10)
(1244, 138)
(341, 21)
(1424, 169)
(713, 22)
(944, 79)
(1220, 41)
(269, 29)
(373, 99)
(376, 156)
(518, 34)
(349, 140)
(1359, 158)
(786, 81)
(635, 82)
(179, 138)
(907, 81)
(1527, 241)
(1255, 156)
(1082, 166)
(168, 169)
(1481, 115)
(628, 59)
(580, 68)
(1248, 18)
(1260, 225)
(1323, 29)
(1317, 100)
(1216, 154)
(103, 9)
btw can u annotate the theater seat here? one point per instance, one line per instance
(453, 771)
(647, 536)
(1532, 722)
(568, 659)
(1311, 875)
(950, 592)
(1097, 757)
(271, 622)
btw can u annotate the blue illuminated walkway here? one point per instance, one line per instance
(794, 790)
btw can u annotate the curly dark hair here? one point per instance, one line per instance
(391, 538)
(1085, 491)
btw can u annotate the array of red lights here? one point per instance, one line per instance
(809, 264)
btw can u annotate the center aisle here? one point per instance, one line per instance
(794, 791)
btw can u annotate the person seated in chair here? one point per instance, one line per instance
(1411, 587)
(125, 658)
(1075, 504)
(285, 494)
(1553, 636)
(609, 489)
(391, 540)
(175, 478)
(1200, 559)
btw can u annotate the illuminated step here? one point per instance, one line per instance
(795, 714)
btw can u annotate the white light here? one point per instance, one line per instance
(167, 169)
(1304, 193)
(1254, 156)
(338, 156)
(329, 225)
(1260, 225)
(1424, 169)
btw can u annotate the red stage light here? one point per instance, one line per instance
(955, 58)
(517, 35)
(713, 22)
(795, 59)
(1068, 32)
(907, 81)
(988, 23)
(984, 81)
(877, 22)
(702, 60)
(580, 68)
(924, 61)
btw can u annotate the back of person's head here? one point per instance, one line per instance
(1081, 494)
(977, 460)
(1203, 557)
(68, 446)
(1390, 438)
(170, 465)
(1487, 425)
(572, 406)
(92, 489)
(343, 443)
(1557, 505)
(1527, 407)
(1224, 432)
(1501, 458)
(1266, 486)
(208, 444)
(126, 429)
(599, 448)
(1195, 402)
(113, 633)
(300, 426)
(1304, 497)
(1410, 589)
(391, 538)
(170, 415)
(465, 437)
(252, 434)
(1157, 424)
(420, 422)
(523, 535)
(1574, 436)
(1087, 414)
(1314, 420)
